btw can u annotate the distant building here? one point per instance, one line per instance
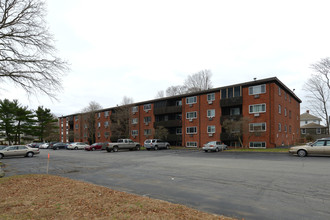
(311, 128)
(269, 109)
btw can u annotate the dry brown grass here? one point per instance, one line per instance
(54, 197)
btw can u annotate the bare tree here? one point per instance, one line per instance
(175, 90)
(120, 117)
(161, 133)
(238, 128)
(160, 94)
(27, 52)
(318, 96)
(322, 68)
(89, 116)
(199, 81)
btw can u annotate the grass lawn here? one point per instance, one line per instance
(54, 197)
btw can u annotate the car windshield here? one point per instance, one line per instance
(148, 141)
(211, 142)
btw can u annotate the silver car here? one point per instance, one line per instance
(156, 144)
(319, 147)
(18, 150)
(77, 146)
(214, 146)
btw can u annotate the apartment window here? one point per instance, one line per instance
(211, 129)
(255, 127)
(192, 130)
(98, 134)
(191, 115)
(98, 124)
(191, 100)
(106, 124)
(285, 129)
(98, 115)
(318, 130)
(106, 134)
(134, 109)
(147, 132)
(285, 95)
(147, 119)
(255, 90)
(106, 113)
(289, 98)
(257, 144)
(77, 126)
(237, 91)
(290, 129)
(211, 113)
(285, 112)
(76, 118)
(303, 131)
(223, 93)
(235, 111)
(135, 132)
(279, 127)
(191, 144)
(85, 126)
(210, 97)
(279, 91)
(279, 109)
(85, 135)
(147, 107)
(230, 93)
(178, 103)
(178, 130)
(289, 113)
(257, 108)
(134, 120)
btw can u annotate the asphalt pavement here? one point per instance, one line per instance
(242, 185)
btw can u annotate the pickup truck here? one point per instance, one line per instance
(123, 144)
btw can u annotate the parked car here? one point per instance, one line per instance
(96, 146)
(3, 146)
(44, 146)
(123, 144)
(34, 145)
(59, 145)
(77, 146)
(319, 147)
(18, 150)
(156, 144)
(214, 146)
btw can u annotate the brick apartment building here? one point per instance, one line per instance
(266, 110)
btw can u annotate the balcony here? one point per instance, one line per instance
(170, 123)
(168, 110)
(228, 137)
(231, 101)
(230, 117)
(174, 137)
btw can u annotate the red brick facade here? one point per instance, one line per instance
(270, 111)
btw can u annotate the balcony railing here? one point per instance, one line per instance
(230, 117)
(168, 110)
(170, 123)
(231, 101)
(228, 137)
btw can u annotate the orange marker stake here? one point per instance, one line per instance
(48, 163)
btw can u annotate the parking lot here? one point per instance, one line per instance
(243, 185)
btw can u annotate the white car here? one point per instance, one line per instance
(214, 146)
(44, 146)
(77, 146)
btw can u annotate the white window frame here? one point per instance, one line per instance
(211, 129)
(256, 90)
(176, 131)
(135, 121)
(106, 114)
(279, 109)
(99, 115)
(210, 97)
(252, 127)
(279, 127)
(191, 100)
(148, 119)
(147, 107)
(257, 142)
(209, 113)
(253, 106)
(147, 132)
(135, 132)
(192, 127)
(106, 124)
(191, 144)
(303, 131)
(191, 115)
(135, 109)
(98, 124)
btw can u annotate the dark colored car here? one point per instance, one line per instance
(35, 145)
(59, 145)
(97, 146)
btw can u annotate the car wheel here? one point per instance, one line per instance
(76, 148)
(137, 148)
(167, 147)
(29, 154)
(216, 149)
(115, 149)
(93, 148)
(1, 156)
(148, 149)
(108, 149)
(302, 153)
(205, 151)
(156, 148)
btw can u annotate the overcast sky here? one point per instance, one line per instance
(136, 48)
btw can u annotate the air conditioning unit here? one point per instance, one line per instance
(210, 118)
(210, 102)
(190, 119)
(256, 96)
(190, 105)
(147, 123)
(256, 115)
(210, 134)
